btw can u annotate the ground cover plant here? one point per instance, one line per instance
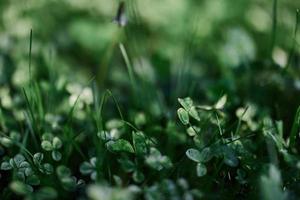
(149, 99)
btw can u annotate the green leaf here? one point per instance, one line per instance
(119, 146)
(48, 168)
(46, 145)
(47, 136)
(166, 162)
(138, 176)
(86, 168)
(20, 188)
(46, 193)
(194, 113)
(7, 142)
(186, 103)
(230, 158)
(56, 155)
(33, 180)
(63, 171)
(18, 159)
(201, 169)
(20, 176)
(183, 116)
(68, 182)
(156, 161)
(193, 130)
(56, 143)
(271, 185)
(28, 171)
(38, 158)
(127, 165)
(194, 155)
(5, 166)
(114, 124)
(221, 103)
(206, 154)
(139, 143)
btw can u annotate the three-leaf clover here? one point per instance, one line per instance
(53, 144)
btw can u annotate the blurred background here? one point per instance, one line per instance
(201, 48)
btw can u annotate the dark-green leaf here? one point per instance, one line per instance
(119, 146)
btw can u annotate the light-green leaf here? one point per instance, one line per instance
(201, 169)
(5, 166)
(119, 146)
(20, 188)
(194, 155)
(221, 103)
(46, 145)
(183, 116)
(56, 155)
(86, 168)
(187, 104)
(37, 158)
(56, 143)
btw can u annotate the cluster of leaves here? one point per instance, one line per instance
(61, 139)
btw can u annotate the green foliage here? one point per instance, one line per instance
(232, 134)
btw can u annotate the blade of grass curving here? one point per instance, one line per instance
(29, 56)
(274, 26)
(240, 121)
(30, 118)
(129, 68)
(294, 42)
(295, 129)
